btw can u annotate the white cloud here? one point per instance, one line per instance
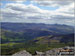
(65, 7)
(69, 9)
(71, 21)
(19, 12)
(53, 3)
(25, 8)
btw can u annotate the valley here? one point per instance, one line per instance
(34, 37)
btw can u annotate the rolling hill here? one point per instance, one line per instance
(22, 32)
(54, 39)
(34, 36)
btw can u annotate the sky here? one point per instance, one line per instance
(38, 11)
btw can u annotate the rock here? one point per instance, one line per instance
(22, 53)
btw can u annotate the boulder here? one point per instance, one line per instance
(22, 53)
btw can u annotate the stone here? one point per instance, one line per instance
(22, 53)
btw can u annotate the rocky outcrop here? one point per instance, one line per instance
(53, 52)
(22, 53)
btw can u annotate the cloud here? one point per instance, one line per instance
(13, 0)
(23, 8)
(67, 9)
(53, 3)
(20, 12)
(1, 4)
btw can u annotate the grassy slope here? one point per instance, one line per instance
(43, 43)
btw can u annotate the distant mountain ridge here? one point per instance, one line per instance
(20, 27)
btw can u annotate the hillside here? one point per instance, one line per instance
(23, 32)
(31, 37)
(55, 39)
